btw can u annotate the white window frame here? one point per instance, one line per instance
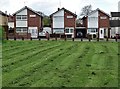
(69, 30)
(21, 17)
(21, 30)
(33, 16)
(103, 17)
(69, 17)
(90, 30)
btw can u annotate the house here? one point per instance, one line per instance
(81, 27)
(115, 24)
(97, 24)
(27, 23)
(4, 21)
(63, 22)
(119, 6)
(10, 32)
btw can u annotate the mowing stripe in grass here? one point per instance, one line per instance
(24, 53)
(31, 66)
(60, 70)
(22, 50)
(25, 58)
(49, 65)
(70, 64)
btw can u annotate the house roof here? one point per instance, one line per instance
(28, 9)
(64, 10)
(2, 13)
(10, 18)
(100, 11)
(115, 14)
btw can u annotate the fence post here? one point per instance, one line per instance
(72, 39)
(81, 39)
(31, 38)
(7, 38)
(89, 39)
(98, 39)
(48, 38)
(116, 39)
(39, 39)
(22, 38)
(15, 38)
(55, 37)
(65, 38)
(107, 39)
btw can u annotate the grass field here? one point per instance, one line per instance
(0, 57)
(60, 64)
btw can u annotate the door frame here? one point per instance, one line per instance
(101, 33)
(30, 29)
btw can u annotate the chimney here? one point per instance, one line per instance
(58, 9)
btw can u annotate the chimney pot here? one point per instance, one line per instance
(58, 9)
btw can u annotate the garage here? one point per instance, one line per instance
(82, 30)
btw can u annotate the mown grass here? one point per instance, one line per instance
(60, 64)
(0, 56)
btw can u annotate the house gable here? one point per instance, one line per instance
(22, 12)
(95, 14)
(93, 20)
(103, 20)
(34, 20)
(59, 13)
(58, 19)
(70, 20)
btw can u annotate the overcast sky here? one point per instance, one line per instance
(50, 6)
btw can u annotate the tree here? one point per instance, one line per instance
(46, 21)
(86, 10)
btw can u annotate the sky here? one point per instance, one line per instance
(50, 6)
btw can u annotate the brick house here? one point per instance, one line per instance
(27, 23)
(63, 22)
(115, 24)
(10, 33)
(97, 24)
(4, 22)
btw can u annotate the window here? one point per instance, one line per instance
(24, 17)
(92, 30)
(32, 15)
(69, 17)
(18, 17)
(103, 17)
(96, 30)
(21, 17)
(101, 32)
(18, 30)
(69, 30)
(21, 30)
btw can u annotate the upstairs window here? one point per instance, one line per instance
(24, 17)
(103, 17)
(21, 17)
(18, 17)
(69, 17)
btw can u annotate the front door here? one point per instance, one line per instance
(101, 33)
(33, 31)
